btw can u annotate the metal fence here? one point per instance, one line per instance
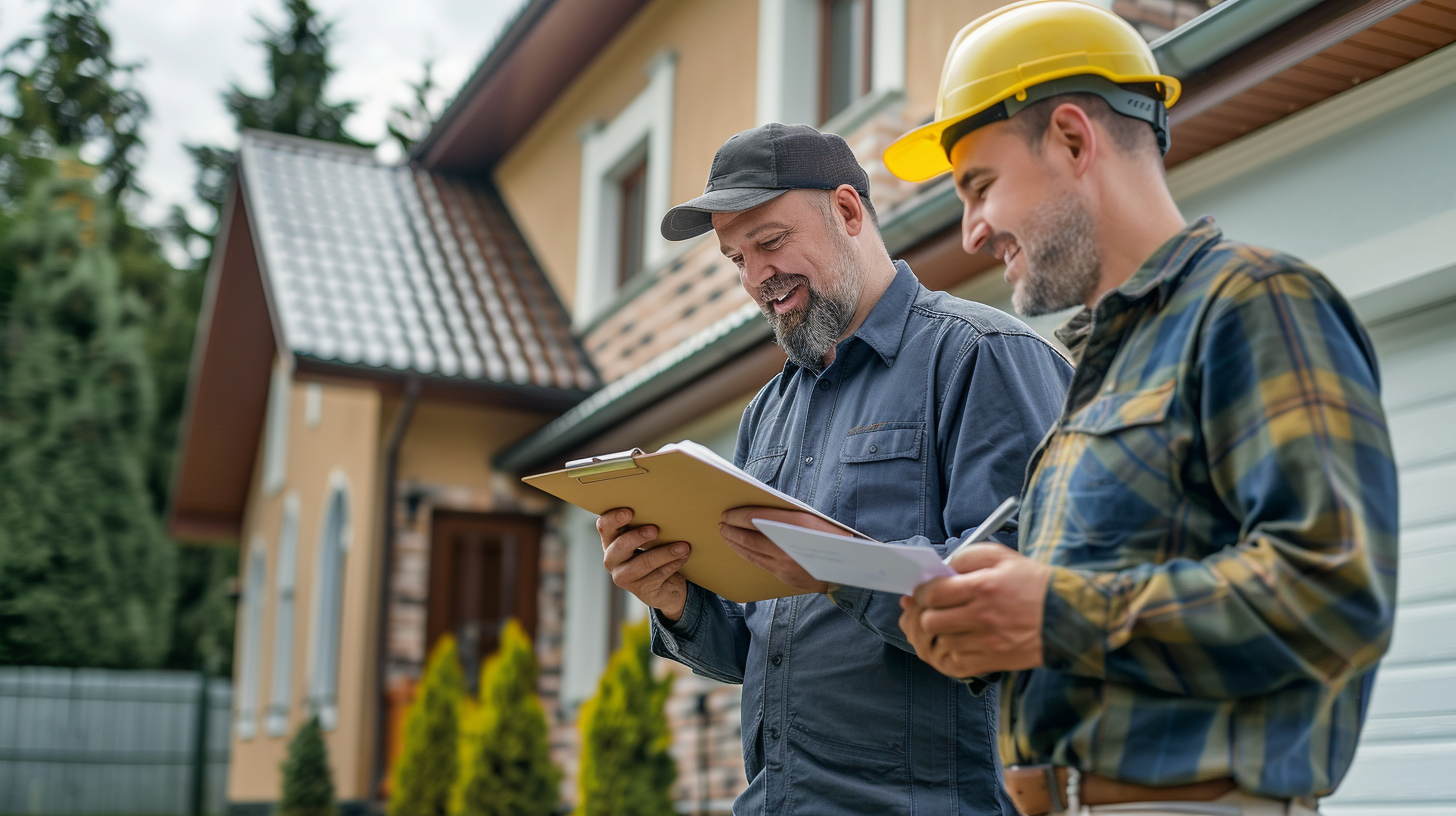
(89, 741)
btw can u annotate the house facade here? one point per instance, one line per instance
(504, 303)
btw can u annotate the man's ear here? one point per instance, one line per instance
(1071, 135)
(850, 208)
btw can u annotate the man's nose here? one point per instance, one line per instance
(754, 273)
(974, 232)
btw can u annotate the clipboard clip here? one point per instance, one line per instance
(606, 466)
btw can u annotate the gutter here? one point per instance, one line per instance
(1191, 47)
(1220, 31)
(386, 567)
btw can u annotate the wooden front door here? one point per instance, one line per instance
(484, 569)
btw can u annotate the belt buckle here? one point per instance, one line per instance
(1066, 800)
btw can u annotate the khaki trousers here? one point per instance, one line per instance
(1235, 803)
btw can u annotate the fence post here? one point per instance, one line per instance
(199, 749)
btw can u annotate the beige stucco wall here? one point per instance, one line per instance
(717, 46)
(344, 443)
(452, 443)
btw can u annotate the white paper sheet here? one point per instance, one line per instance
(856, 562)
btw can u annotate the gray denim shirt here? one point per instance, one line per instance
(920, 427)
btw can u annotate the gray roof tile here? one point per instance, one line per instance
(399, 268)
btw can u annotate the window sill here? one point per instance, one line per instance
(861, 111)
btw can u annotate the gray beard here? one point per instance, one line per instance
(807, 334)
(1062, 264)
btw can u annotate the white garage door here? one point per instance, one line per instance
(1406, 762)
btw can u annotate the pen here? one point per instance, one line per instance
(993, 522)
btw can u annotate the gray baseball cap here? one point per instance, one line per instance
(759, 165)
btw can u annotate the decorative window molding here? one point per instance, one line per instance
(313, 404)
(280, 687)
(328, 604)
(642, 131)
(275, 431)
(254, 588)
(790, 64)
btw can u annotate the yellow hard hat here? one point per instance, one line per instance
(1025, 52)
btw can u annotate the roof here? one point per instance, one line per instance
(401, 269)
(538, 54)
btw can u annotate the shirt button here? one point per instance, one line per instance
(776, 659)
(773, 733)
(808, 460)
(874, 449)
(823, 385)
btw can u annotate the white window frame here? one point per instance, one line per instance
(250, 649)
(275, 430)
(789, 64)
(608, 152)
(327, 613)
(285, 572)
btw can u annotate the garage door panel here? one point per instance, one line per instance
(1423, 634)
(1410, 691)
(1438, 809)
(1428, 576)
(1426, 494)
(1423, 434)
(1417, 773)
(1400, 729)
(1406, 364)
(1426, 539)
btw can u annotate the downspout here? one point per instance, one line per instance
(386, 568)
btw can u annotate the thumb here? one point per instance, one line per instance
(981, 556)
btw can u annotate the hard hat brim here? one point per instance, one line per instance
(693, 218)
(919, 156)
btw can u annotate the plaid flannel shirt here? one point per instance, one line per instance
(1218, 503)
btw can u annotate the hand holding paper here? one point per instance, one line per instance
(850, 561)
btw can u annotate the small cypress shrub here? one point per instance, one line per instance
(508, 770)
(429, 759)
(308, 784)
(626, 769)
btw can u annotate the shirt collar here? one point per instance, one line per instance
(884, 327)
(1159, 274)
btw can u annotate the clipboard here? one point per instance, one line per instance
(683, 489)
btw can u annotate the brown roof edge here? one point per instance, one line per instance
(537, 57)
(1308, 34)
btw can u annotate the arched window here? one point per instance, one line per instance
(328, 595)
(280, 689)
(252, 624)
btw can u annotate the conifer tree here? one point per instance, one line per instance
(626, 769)
(429, 759)
(508, 770)
(308, 783)
(409, 123)
(295, 103)
(85, 572)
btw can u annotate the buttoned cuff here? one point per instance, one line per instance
(687, 624)
(1074, 626)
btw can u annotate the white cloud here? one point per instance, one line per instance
(191, 50)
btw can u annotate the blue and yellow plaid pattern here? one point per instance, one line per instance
(1218, 502)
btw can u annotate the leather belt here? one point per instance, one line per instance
(1039, 789)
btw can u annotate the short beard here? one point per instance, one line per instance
(1063, 268)
(808, 333)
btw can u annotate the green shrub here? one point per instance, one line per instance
(308, 784)
(508, 770)
(429, 758)
(626, 769)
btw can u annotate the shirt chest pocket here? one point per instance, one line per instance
(882, 480)
(765, 465)
(1122, 485)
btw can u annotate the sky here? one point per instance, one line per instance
(192, 50)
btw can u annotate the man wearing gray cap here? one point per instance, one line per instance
(870, 422)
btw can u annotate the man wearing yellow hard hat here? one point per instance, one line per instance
(1206, 578)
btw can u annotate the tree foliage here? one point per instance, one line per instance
(408, 123)
(308, 783)
(507, 768)
(85, 571)
(429, 759)
(626, 769)
(70, 94)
